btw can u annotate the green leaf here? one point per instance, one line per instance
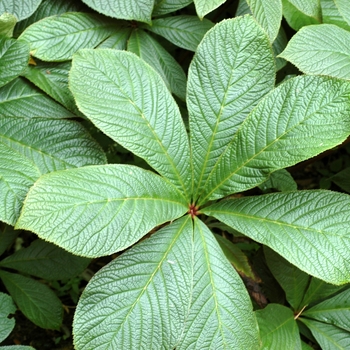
(19, 98)
(278, 46)
(36, 300)
(220, 314)
(57, 38)
(344, 9)
(19, 9)
(277, 327)
(280, 180)
(51, 144)
(130, 103)
(7, 237)
(305, 346)
(140, 10)
(14, 56)
(328, 336)
(45, 260)
(243, 8)
(300, 13)
(98, 210)
(330, 14)
(320, 49)
(299, 119)
(7, 307)
(232, 70)
(7, 24)
(203, 7)
(16, 347)
(163, 7)
(117, 40)
(183, 31)
(147, 288)
(335, 311)
(293, 281)
(342, 179)
(305, 227)
(268, 14)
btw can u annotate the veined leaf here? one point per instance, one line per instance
(320, 49)
(220, 314)
(6, 307)
(57, 38)
(328, 336)
(117, 40)
(19, 98)
(163, 7)
(310, 8)
(280, 180)
(14, 56)
(335, 311)
(278, 46)
(268, 13)
(299, 119)
(330, 14)
(7, 24)
(278, 326)
(344, 9)
(125, 98)
(225, 83)
(45, 260)
(183, 31)
(243, 8)
(203, 7)
(141, 299)
(98, 210)
(19, 9)
(36, 300)
(305, 227)
(157, 57)
(140, 10)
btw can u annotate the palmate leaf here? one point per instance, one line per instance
(20, 9)
(126, 99)
(203, 7)
(98, 210)
(299, 119)
(225, 83)
(57, 38)
(163, 7)
(311, 229)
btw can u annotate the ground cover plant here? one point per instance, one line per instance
(204, 137)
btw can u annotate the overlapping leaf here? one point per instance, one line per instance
(344, 9)
(98, 210)
(311, 229)
(7, 24)
(225, 83)
(280, 180)
(117, 40)
(331, 14)
(203, 7)
(57, 38)
(162, 7)
(298, 120)
(20, 9)
(125, 98)
(6, 307)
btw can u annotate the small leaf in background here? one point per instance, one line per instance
(280, 180)
(203, 7)
(278, 328)
(7, 237)
(328, 336)
(278, 46)
(320, 49)
(163, 7)
(300, 13)
(140, 10)
(20, 98)
(144, 46)
(7, 307)
(14, 57)
(36, 300)
(117, 40)
(7, 24)
(331, 14)
(45, 260)
(57, 38)
(19, 10)
(342, 179)
(183, 31)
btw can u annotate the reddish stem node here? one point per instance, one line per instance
(193, 210)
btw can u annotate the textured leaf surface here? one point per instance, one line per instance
(139, 10)
(125, 98)
(36, 300)
(308, 228)
(157, 57)
(19, 98)
(14, 56)
(232, 70)
(183, 31)
(162, 7)
(344, 9)
(320, 49)
(280, 180)
(328, 336)
(310, 7)
(203, 7)
(301, 118)
(57, 38)
(335, 311)
(18, 8)
(117, 40)
(330, 14)
(268, 13)
(220, 314)
(98, 210)
(6, 307)
(46, 260)
(277, 327)
(278, 46)
(141, 299)
(7, 24)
